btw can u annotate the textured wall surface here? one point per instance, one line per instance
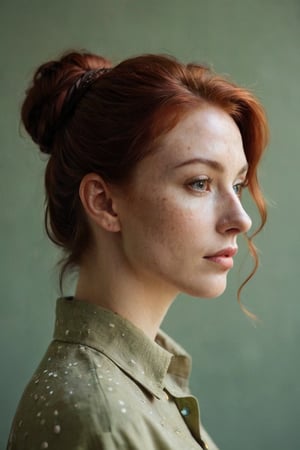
(246, 377)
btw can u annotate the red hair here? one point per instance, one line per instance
(116, 124)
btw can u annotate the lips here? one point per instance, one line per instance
(229, 251)
(224, 257)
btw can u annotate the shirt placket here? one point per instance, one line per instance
(189, 410)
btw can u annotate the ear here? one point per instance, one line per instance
(98, 202)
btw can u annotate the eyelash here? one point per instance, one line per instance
(205, 182)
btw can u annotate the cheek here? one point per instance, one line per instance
(184, 219)
(153, 226)
(165, 229)
(166, 217)
(171, 228)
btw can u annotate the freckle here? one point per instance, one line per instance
(51, 392)
(110, 388)
(37, 381)
(47, 387)
(88, 331)
(123, 410)
(56, 429)
(67, 332)
(123, 334)
(70, 392)
(132, 361)
(39, 414)
(75, 363)
(45, 371)
(36, 397)
(66, 372)
(112, 325)
(44, 445)
(20, 423)
(50, 374)
(42, 422)
(55, 412)
(49, 359)
(121, 402)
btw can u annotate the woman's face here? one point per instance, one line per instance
(181, 214)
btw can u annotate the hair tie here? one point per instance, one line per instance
(73, 96)
(79, 88)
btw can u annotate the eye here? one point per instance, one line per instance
(200, 185)
(238, 188)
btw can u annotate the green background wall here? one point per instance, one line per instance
(246, 377)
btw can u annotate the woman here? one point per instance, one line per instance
(147, 163)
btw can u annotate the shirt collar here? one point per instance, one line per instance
(155, 364)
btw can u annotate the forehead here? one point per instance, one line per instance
(207, 132)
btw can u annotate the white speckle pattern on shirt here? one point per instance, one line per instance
(76, 377)
(57, 429)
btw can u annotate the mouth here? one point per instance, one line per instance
(223, 258)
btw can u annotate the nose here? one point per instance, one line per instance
(233, 218)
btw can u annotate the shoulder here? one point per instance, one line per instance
(65, 404)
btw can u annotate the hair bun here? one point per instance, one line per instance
(43, 104)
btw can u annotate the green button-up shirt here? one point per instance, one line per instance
(104, 385)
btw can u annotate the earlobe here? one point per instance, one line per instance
(97, 200)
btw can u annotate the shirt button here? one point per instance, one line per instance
(185, 411)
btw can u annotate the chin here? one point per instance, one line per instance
(214, 290)
(214, 295)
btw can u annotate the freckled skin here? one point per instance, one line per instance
(179, 208)
(168, 226)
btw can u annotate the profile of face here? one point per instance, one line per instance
(181, 213)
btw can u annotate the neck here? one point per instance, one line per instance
(113, 286)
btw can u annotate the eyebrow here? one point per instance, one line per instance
(211, 163)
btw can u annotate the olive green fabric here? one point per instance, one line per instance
(103, 384)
